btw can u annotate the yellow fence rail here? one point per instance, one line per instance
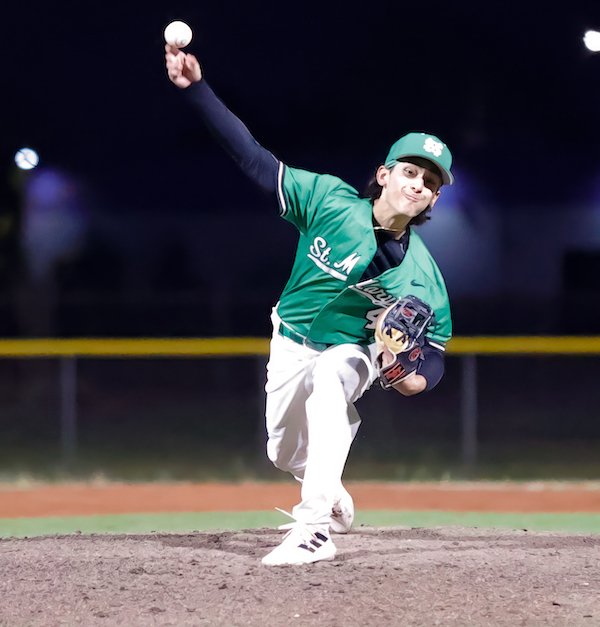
(525, 345)
(240, 346)
(467, 348)
(135, 347)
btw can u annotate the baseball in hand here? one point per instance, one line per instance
(178, 34)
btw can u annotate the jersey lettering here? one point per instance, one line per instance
(319, 252)
(372, 317)
(315, 249)
(376, 294)
(348, 264)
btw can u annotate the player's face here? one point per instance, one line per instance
(409, 188)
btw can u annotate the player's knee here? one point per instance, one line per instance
(275, 455)
(351, 374)
(283, 460)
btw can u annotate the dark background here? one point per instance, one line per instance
(326, 86)
(137, 224)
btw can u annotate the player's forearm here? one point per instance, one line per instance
(255, 160)
(428, 375)
(415, 384)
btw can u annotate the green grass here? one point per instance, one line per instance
(138, 523)
(207, 521)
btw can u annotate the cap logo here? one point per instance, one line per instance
(434, 147)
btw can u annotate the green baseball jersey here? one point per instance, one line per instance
(324, 299)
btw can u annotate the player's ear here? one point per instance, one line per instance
(382, 175)
(435, 198)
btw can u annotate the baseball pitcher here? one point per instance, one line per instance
(364, 301)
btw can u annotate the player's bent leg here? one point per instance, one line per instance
(288, 368)
(342, 511)
(287, 447)
(338, 380)
(340, 376)
(352, 365)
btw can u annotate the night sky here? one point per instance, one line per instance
(169, 238)
(326, 85)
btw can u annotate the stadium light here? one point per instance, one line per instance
(27, 159)
(591, 39)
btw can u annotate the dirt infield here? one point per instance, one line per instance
(87, 499)
(388, 577)
(393, 577)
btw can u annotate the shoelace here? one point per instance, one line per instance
(290, 525)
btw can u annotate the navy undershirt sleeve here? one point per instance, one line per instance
(432, 368)
(255, 160)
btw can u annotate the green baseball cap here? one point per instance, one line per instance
(425, 146)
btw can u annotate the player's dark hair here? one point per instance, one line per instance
(373, 192)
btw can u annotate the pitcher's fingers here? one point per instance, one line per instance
(193, 65)
(174, 50)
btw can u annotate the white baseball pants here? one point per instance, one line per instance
(310, 417)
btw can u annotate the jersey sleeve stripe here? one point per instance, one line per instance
(280, 194)
(438, 345)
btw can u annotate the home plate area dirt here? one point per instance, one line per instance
(398, 576)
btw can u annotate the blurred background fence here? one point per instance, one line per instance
(508, 407)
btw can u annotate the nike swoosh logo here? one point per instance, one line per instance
(413, 282)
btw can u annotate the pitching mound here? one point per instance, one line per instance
(455, 577)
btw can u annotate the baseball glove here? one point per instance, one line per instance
(400, 336)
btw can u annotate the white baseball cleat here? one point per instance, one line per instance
(302, 544)
(342, 514)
